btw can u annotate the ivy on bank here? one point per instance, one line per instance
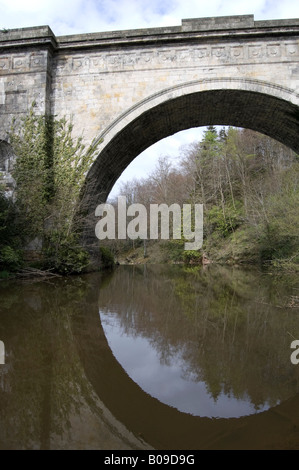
(50, 171)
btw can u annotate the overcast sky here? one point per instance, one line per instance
(86, 16)
(82, 16)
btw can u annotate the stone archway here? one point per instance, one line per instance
(253, 104)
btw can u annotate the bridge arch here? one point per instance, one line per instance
(254, 104)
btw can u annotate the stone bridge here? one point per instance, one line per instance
(132, 88)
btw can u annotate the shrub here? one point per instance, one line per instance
(107, 258)
(10, 258)
(192, 257)
(65, 256)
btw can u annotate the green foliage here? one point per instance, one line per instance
(10, 258)
(10, 254)
(65, 255)
(248, 183)
(173, 250)
(4, 275)
(290, 264)
(30, 145)
(50, 172)
(225, 221)
(192, 257)
(8, 228)
(107, 258)
(278, 229)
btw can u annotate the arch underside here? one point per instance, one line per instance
(259, 111)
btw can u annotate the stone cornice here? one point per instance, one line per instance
(202, 30)
(41, 36)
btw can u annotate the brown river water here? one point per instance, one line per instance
(151, 357)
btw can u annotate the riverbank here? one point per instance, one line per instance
(237, 255)
(241, 253)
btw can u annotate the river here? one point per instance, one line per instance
(151, 357)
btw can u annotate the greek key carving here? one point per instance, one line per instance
(292, 50)
(114, 60)
(145, 58)
(37, 61)
(183, 55)
(167, 56)
(98, 63)
(18, 62)
(237, 52)
(79, 62)
(201, 53)
(218, 52)
(255, 52)
(129, 60)
(273, 50)
(4, 64)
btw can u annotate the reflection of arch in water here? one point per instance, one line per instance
(164, 427)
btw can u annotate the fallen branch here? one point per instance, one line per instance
(34, 272)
